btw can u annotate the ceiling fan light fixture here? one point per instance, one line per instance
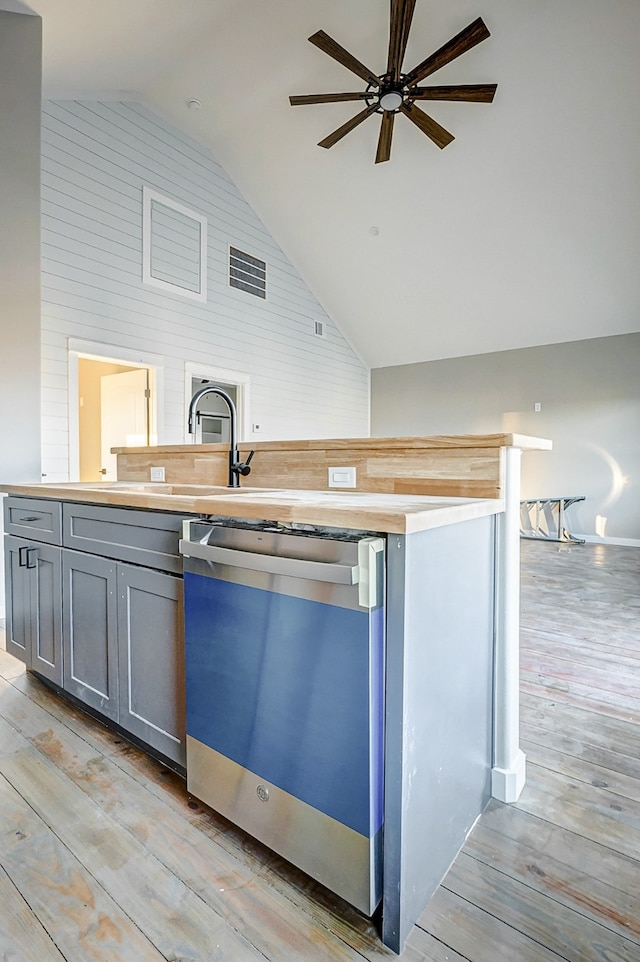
(391, 99)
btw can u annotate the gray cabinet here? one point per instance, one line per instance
(124, 649)
(33, 605)
(123, 620)
(94, 604)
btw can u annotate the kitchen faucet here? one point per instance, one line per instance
(236, 466)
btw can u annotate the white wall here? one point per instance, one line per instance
(589, 393)
(20, 71)
(96, 157)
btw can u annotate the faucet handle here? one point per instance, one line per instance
(243, 468)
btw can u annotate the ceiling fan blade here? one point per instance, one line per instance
(338, 134)
(399, 27)
(333, 49)
(326, 98)
(384, 140)
(427, 125)
(472, 93)
(475, 33)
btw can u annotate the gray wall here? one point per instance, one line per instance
(590, 397)
(20, 73)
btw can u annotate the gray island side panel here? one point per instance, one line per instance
(439, 709)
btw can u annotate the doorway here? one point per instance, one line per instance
(113, 402)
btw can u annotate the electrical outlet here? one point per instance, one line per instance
(342, 477)
(537, 407)
(255, 428)
(157, 474)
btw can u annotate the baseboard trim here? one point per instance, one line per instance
(507, 783)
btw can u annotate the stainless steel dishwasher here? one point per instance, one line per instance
(284, 636)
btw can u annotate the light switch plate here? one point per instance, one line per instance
(157, 474)
(342, 477)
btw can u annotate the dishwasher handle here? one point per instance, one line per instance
(326, 571)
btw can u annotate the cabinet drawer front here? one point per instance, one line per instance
(34, 518)
(146, 538)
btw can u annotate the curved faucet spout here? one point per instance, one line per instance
(193, 405)
(236, 466)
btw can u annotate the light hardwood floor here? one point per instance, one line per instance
(103, 855)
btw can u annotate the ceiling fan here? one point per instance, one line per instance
(395, 92)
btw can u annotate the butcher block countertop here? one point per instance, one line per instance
(390, 513)
(413, 443)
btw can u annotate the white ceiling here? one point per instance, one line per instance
(525, 230)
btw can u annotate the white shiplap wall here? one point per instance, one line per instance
(96, 157)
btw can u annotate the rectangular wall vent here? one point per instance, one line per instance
(318, 328)
(174, 246)
(247, 273)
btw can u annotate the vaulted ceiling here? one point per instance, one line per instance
(524, 230)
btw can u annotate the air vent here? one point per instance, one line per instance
(318, 328)
(247, 273)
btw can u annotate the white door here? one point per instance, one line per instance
(123, 415)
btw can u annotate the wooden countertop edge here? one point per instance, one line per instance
(442, 442)
(419, 514)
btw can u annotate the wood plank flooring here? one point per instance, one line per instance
(105, 858)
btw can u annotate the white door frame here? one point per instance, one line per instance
(210, 373)
(115, 355)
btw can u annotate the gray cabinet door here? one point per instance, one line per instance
(44, 566)
(18, 599)
(89, 597)
(151, 659)
(34, 605)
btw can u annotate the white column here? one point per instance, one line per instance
(509, 765)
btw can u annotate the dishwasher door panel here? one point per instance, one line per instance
(289, 691)
(281, 686)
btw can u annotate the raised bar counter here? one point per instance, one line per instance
(465, 466)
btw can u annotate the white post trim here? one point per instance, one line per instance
(509, 764)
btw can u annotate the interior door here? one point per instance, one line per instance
(124, 420)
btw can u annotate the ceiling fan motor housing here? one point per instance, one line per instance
(391, 96)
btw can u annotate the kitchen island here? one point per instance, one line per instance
(442, 624)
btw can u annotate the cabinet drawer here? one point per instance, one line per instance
(34, 518)
(146, 538)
